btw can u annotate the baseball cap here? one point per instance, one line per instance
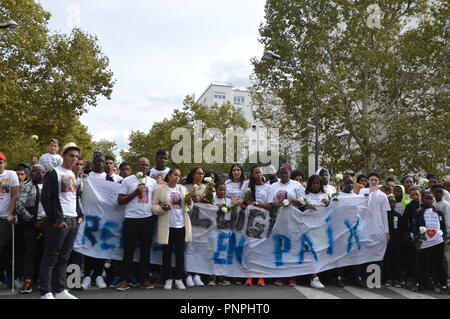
(2, 157)
(70, 146)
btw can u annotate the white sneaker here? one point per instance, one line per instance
(48, 295)
(315, 283)
(64, 295)
(86, 284)
(100, 282)
(168, 285)
(179, 284)
(189, 281)
(198, 282)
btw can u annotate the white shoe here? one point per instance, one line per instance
(86, 284)
(168, 285)
(198, 282)
(64, 295)
(48, 295)
(179, 284)
(189, 281)
(315, 283)
(100, 282)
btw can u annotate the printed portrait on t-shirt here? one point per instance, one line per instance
(68, 184)
(159, 178)
(175, 198)
(143, 199)
(5, 184)
(281, 195)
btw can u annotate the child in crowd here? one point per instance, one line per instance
(221, 201)
(444, 206)
(392, 258)
(408, 253)
(430, 232)
(51, 159)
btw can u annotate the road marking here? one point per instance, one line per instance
(410, 294)
(365, 293)
(311, 293)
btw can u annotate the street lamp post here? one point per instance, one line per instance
(342, 134)
(270, 54)
(9, 25)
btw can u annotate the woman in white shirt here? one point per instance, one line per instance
(236, 184)
(257, 196)
(315, 194)
(195, 178)
(171, 205)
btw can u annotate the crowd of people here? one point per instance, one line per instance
(41, 211)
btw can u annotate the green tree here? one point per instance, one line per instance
(159, 136)
(105, 146)
(47, 80)
(387, 84)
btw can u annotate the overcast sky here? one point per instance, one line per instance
(160, 51)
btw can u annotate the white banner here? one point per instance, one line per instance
(251, 243)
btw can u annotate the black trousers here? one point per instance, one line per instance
(137, 230)
(430, 263)
(5, 239)
(393, 260)
(33, 240)
(93, 267)
(58, 246)
(408, 259)
(177, 243)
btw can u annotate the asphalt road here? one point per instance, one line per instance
(243, 292)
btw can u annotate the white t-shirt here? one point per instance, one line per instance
(262, 193)
(95, 175)
(432, 223)
(116, 178)
(176, 217)
(50, 161)
(40, 207)
(316, 199)
(444, 207)
(200, 190)
(346, 195)
(222, 201)
(329, 189)
(399, 208)
(158, 175)
(291, 190)
(138, 207)
(233, 189)
(378, 208)
(7, 180)
(67, 191)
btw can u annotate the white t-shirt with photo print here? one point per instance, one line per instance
(291, 190)
(138, 207)
(67, 184)
(176, 217)
(8, 179)
(434, 233)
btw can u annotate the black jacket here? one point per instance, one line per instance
(395, 233)
(50, 199)
(408, 217)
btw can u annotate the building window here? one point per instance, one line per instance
(219, 96)
(239, 100)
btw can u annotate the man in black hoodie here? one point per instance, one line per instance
(64, 216)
